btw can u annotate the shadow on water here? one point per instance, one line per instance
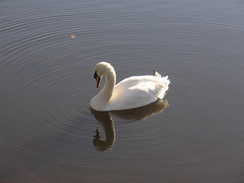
(106, 119)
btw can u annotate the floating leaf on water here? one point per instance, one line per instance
(73, 36)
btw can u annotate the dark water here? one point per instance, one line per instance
(46, 82)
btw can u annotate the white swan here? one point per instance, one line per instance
(132, 92)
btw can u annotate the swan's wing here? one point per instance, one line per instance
(137, 91)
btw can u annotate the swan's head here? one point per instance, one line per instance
(99, 70)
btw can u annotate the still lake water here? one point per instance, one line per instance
(48, 132)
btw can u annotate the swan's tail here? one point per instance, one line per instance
(159, 75)
(155, 73)
(166, 80)
(164, 87)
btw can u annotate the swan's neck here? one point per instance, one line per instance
(108, 88)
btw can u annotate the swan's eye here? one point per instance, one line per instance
(95, 75)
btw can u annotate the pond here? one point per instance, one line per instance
(48, 133)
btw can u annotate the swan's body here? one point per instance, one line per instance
(132, 92)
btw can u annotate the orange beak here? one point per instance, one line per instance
(97, 79)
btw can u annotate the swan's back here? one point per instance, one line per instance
(137, 91)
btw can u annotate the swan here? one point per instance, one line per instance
(132, 92)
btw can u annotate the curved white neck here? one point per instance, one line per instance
(100, 101)
(110, 81)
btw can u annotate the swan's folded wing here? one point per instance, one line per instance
(137, 91)
(136, 96)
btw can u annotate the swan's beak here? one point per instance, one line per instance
(97, 79)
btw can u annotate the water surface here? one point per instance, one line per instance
(48, 132)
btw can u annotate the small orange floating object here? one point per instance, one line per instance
(73, 36)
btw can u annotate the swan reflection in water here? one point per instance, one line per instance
(131, 115)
